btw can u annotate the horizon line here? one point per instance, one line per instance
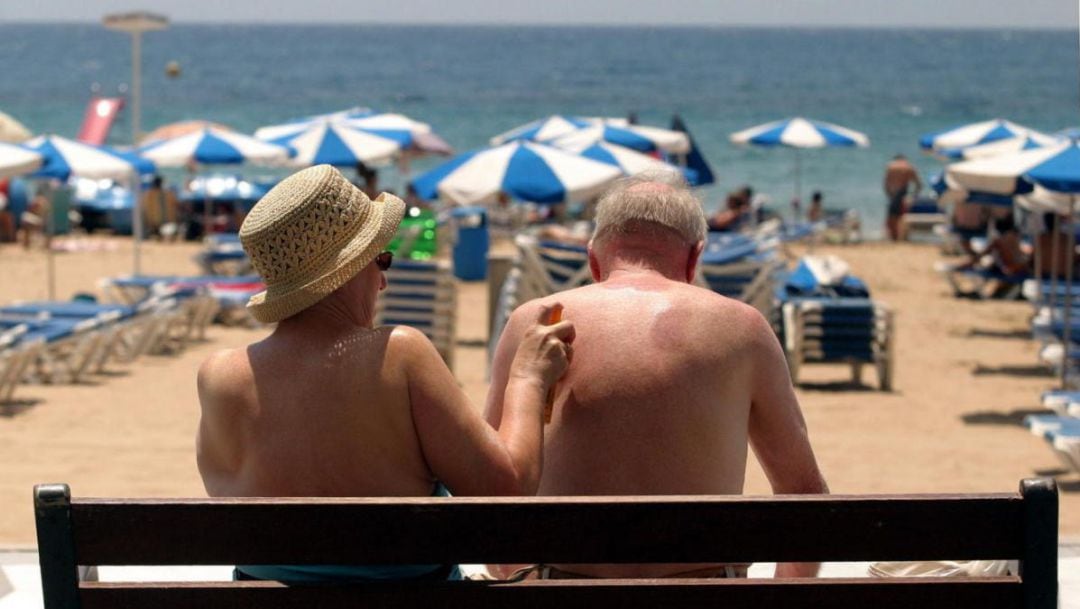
(578, 24)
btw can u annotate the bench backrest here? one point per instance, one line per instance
(1020, 526)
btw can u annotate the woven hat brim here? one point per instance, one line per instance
(352, 258)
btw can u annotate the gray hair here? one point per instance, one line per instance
(676, 208)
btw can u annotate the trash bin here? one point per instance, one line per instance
(470, 232)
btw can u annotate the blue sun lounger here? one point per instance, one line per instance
(1062, 433)
(56, 349)
(834, 322)
(741, 267)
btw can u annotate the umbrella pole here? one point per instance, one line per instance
(1067, 314)
(798, 182)
(1033, 227)
(137, 222)
(50, 261)
(1055, 246)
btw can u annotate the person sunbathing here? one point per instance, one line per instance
(1008, 263)
(669, 381)
(329, 405)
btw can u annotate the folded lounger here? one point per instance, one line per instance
(824, 315)
(422, 295)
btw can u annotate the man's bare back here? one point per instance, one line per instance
(660, 381)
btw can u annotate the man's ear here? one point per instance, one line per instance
(594, 264)
(693, 260)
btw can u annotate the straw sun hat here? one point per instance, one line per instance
(311, 234)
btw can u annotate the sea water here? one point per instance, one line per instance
(473, 82)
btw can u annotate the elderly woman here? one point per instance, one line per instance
(329, 405)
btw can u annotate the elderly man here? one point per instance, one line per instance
(328, 405)
(669, 381)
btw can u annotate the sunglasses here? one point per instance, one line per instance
(384, 260)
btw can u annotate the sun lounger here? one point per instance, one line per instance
(825, 315)
(14, 357)
(223, 254)
(63, 348)
(1062, 433)
(741, 267)
(422, 295)
(922, 219)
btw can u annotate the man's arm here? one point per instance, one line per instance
(778, 431)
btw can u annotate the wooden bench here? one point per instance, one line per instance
(1020, 526)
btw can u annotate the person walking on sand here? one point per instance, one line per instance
(669, 382)
(329, 405)
(900, 174)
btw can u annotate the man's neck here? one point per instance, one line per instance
(622, 270)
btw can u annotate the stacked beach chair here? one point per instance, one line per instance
(64, 342)
(823, 315)
(422, 295)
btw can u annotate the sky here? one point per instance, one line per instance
(812, 13)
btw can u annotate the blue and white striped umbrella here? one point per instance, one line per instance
(17, 160)
(387, 125)
(64, 158)
(214, 147)
(630, 162)
(525, 171)
(1019, 143)
(543, 130)
(800, 133)
(581, 132)
(973, 134)
(337, 144)
(1055, 167)
(641, 138)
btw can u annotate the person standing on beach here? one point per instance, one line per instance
(900, 174)
(669, 382)
(328, 405)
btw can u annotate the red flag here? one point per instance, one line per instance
(99, 118)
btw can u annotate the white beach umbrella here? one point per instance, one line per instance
(1029, 141)
(16, 160)
(973, 134)
(12, 130)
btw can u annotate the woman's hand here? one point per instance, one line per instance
(545, 350)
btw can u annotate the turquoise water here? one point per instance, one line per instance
(473, 82)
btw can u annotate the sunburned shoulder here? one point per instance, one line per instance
(733, 317)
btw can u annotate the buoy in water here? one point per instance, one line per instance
(172, 69)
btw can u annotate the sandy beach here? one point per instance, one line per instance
(966, 374)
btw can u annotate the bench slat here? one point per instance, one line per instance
(436, 530)
(958, 593)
